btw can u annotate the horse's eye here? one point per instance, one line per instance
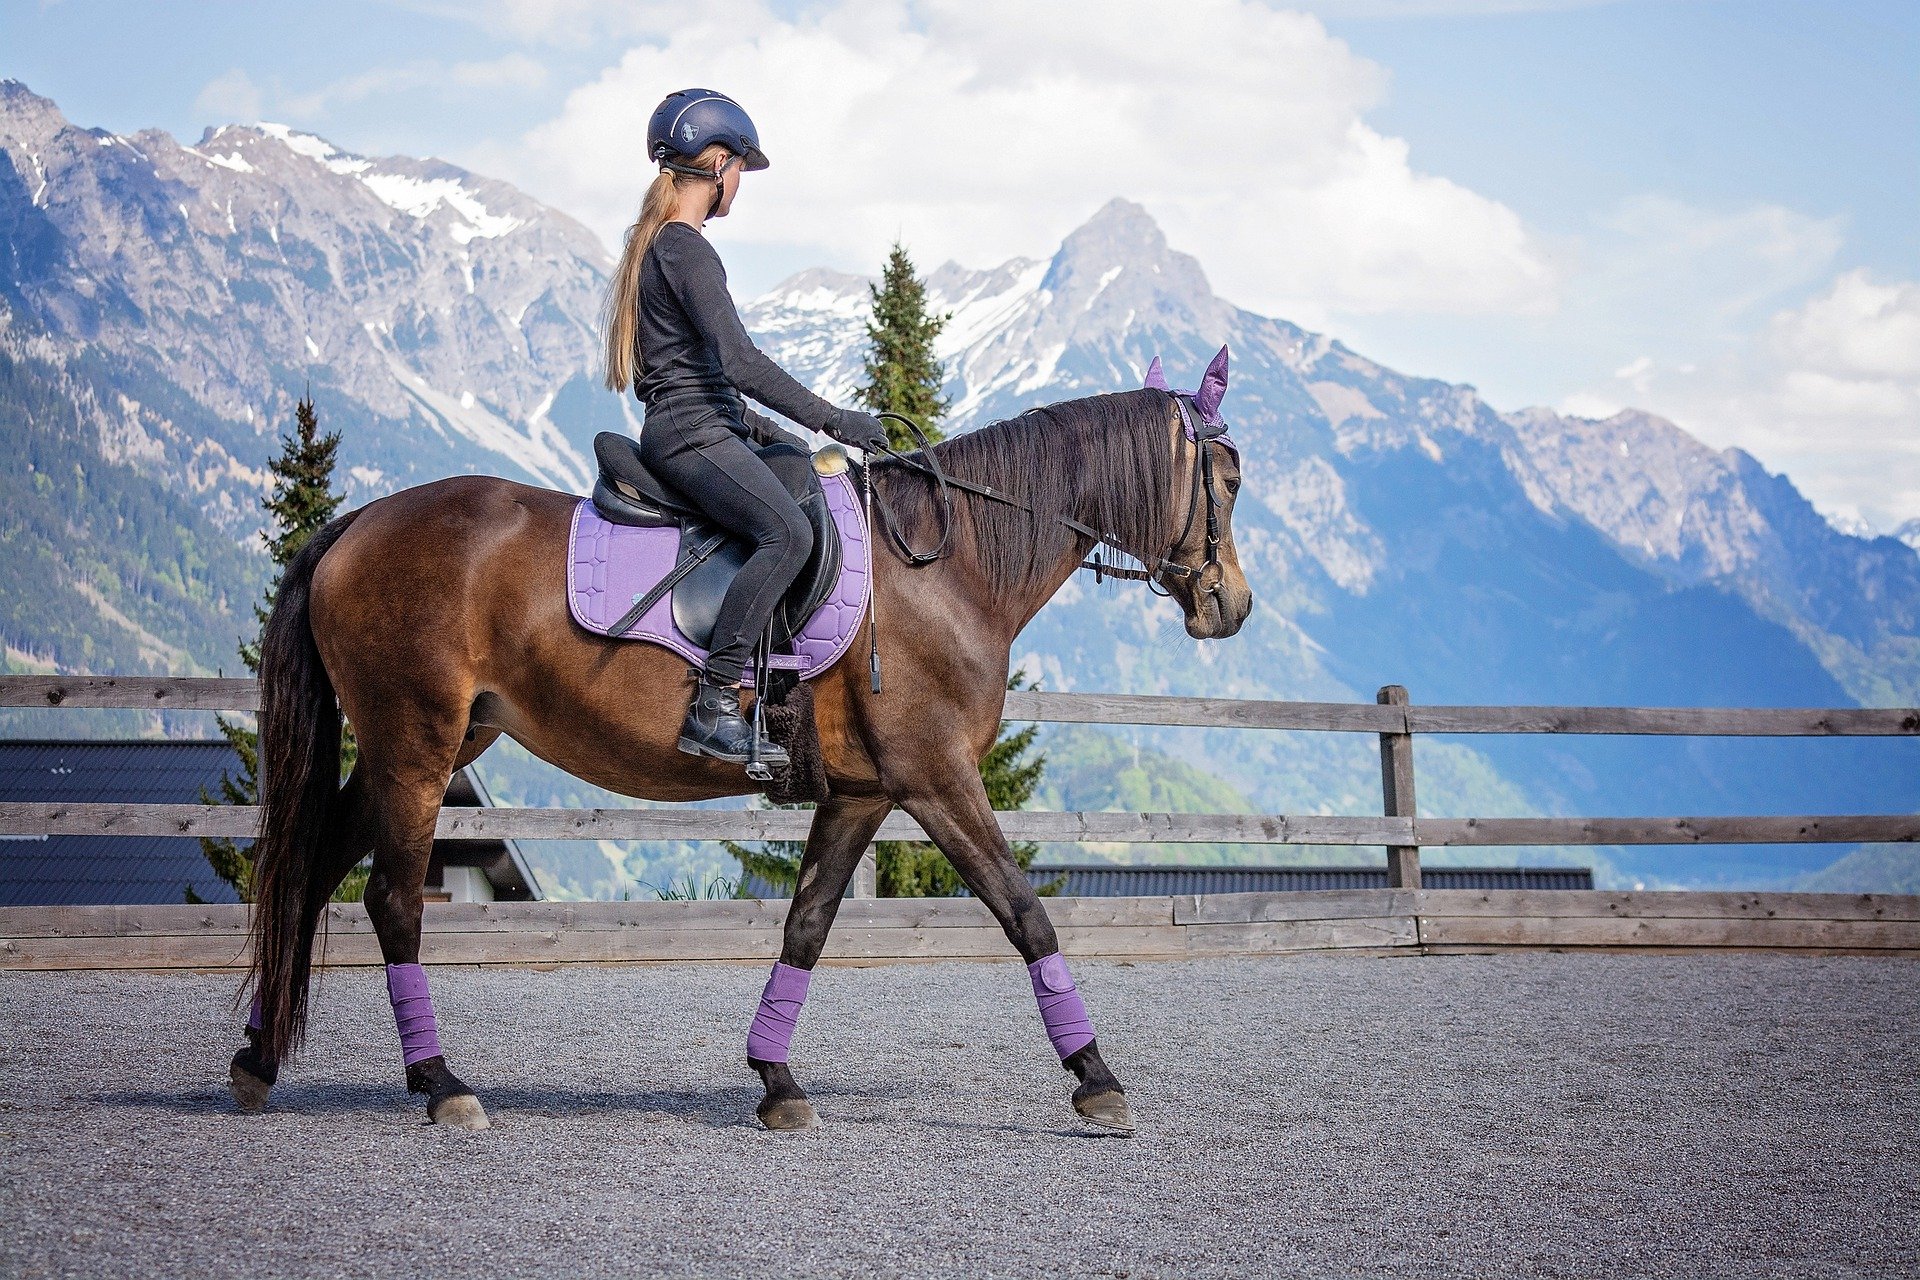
(1233, 485)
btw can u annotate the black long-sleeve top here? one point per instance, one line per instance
(692, 341)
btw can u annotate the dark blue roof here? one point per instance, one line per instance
(76, 870)
(1100, 881)
(1103, 880)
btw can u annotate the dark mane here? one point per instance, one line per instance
(1104, 459)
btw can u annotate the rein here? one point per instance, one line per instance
(1209, 573)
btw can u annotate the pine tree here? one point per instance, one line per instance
(915, 868)
(300, 505)
(903, 374)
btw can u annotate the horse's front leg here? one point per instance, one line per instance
(842, 829)
(959, 817)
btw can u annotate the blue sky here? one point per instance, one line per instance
(1711, 210)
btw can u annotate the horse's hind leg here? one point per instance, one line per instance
(405, 796)
(841, 830)
(252, 1073)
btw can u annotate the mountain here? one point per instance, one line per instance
(1401, 530)
(163, 305)
(178, 299)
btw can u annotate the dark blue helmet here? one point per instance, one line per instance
(689, 121)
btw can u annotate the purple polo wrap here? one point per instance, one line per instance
(253, 1014)
(779, 1013)
(1061, 1008)
(413, 1013)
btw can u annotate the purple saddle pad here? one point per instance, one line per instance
(611, 566)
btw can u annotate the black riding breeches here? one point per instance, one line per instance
(698, 446)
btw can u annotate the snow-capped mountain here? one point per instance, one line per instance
(445, 315)
(1401, 530)
(162, 305)
(1116, 293)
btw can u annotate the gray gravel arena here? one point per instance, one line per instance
(1526, 1114)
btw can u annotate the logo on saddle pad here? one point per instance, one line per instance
(614, 568)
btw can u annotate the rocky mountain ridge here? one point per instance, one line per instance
(163, 305)
(1690, 514)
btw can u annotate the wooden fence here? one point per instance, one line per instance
(1392, 717)
(1371, 921)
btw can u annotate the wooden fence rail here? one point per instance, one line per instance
(194, 693)
(1399, 833)
(1391, 717)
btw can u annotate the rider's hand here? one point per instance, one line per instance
(858, 430)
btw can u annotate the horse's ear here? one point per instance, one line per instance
(1213, 388)
(1156, 380)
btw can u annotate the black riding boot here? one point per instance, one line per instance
(715, 727)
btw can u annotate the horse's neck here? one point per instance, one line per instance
(1046, 584)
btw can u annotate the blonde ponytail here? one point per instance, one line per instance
(620, 317)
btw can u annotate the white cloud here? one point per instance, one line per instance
(235, 98)
(1828, 391)
(512, 71)
(984, 129)
(230, 97)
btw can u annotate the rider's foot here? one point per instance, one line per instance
(715, 727)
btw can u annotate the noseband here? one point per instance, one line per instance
(1195, 427)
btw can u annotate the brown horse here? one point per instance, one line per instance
(436, 620)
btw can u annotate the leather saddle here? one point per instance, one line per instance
(709, 556)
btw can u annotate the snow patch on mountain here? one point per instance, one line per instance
(414, 196)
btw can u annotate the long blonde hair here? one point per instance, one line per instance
(620, 317)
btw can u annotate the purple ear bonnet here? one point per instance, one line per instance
(1213, 389)
(1213, 386)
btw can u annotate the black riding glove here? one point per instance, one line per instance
(858, 430)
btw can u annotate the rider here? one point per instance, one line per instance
(674, 337)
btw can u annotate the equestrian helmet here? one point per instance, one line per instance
(687, 122)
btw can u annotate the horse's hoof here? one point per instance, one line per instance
(1108, 1110)
(461, 1111)
(789, 1114)
(249, 1090)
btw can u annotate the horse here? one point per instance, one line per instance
(434, 619)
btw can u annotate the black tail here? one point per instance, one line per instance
(299, 771)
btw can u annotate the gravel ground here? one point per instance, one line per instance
(1512, 1115)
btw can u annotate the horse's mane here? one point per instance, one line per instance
(1104, 459)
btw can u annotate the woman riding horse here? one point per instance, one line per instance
(436, 619)
(674, 337)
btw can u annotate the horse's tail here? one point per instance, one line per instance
(299, 775)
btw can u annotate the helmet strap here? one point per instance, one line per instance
(717, 176)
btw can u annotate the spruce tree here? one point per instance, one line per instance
(903, 374)
(915, 868)
(300, 505)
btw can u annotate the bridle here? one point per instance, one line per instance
(1196, 427)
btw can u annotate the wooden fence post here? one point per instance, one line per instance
(1396, 786)
(866, 876)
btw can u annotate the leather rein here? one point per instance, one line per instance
(1195, 429)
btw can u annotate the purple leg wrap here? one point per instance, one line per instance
(779, 1013)
(253, 1014)
(1061, 1008)
(413, 1013)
